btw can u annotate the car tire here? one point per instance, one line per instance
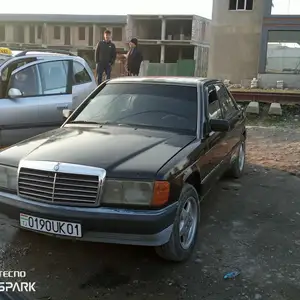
(182, 241)
(238, 165)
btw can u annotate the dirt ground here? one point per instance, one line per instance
(251, 225)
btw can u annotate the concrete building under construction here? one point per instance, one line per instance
(250, 38)
(162, 38)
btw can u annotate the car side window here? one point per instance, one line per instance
(13, 66)
(228, 106)
(81, 75)
(53, 77)
(26, 81)
(214, 108)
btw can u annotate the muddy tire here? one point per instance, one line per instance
(185, 227)
(238, 165)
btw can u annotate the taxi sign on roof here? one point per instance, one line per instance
(6, 51)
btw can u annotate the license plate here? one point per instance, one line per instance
(50, 226)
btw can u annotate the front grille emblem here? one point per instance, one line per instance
(56, 167)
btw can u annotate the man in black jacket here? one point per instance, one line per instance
(105, 56)
(134, 58)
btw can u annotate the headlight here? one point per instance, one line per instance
(141, 193)
(8, 178)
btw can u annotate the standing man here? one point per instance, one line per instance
(134, 58)
(105, 56)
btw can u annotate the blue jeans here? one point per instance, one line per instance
(103, 68)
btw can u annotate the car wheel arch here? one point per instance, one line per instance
(194, 179)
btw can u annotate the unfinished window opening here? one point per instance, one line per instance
(2, 32)
(91, 35)
(175, 53)
(240, 4)
(31, 34)
(81, 33)
(117, 34)
(179, 29)
(148, 29)
(150, 53)
(283, 52)
(67, 35)
(19, 33)
(39, 32)
(56, 32)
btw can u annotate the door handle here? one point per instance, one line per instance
(63, 106)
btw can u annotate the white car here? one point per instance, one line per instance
(35, 86)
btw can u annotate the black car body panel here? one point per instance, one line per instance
(121, 151)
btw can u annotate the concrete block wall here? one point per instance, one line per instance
(200, 29)
(237, 33)
(269, 81)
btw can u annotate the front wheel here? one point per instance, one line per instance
(185, 227)
(238, 165)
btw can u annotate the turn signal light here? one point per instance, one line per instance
(161, 193)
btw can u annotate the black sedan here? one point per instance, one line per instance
(129, 166)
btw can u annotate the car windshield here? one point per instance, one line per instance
(160, 106)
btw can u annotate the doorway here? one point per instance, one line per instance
(67, 35)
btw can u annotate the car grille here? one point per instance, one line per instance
(59, 188)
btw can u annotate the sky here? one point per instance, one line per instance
(109, 7)
(288, 7)
(123, 7)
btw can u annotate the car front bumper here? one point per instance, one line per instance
(99, 224)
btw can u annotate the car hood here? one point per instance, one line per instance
(121, 151)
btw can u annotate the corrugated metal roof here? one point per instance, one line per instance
(49, 18)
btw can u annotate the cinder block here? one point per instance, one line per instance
(253, 108)
(275, 109)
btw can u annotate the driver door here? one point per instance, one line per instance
(19, 114)
(45, 89)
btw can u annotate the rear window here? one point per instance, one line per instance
(167, 107)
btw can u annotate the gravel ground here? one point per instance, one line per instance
(251, 225)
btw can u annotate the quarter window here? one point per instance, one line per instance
(80, 74)
(214, 108)
(227, 104)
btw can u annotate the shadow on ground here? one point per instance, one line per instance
(252, 224)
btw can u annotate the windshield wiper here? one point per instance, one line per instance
(85, 122)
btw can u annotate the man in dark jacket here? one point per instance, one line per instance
(134, 58)
(105, 56)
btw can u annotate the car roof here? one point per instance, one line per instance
(191, 81)
(48, 56)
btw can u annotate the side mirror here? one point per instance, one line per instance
(67, 113)
(14, 93)
(219, 125)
